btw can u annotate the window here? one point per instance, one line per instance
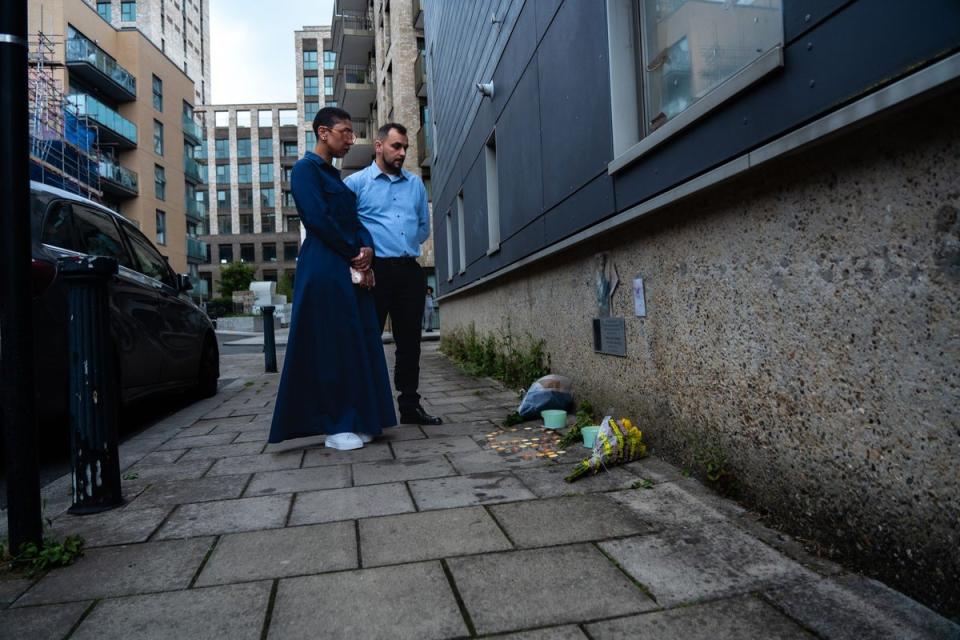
(224, 223)
(222, 148)
(161, 227)
(309, 60)
(267, 198)
(158, 137)
(246, 253)
(291, 224)
(310, 108)
(243, 147)
(226, 253)
(289, 148)
(270, 275)
(243, 119)
(187, 110)
(329, 59)
(266, 173)
(221, 118)
(290, 251)
(97, 234)
(58, 227)
(244, 173)
(288, 117)
(328, 85)
(270, 252)
(311, 85)
(150, 262)
(268, 222)
(223, 199)
(128, 11)
(157, 93)
(310, 138)
(223, 174)
(159, 182)
(285, 174)
(493, 195)
(245, 197)
(288, 199)
(265, 118)
(449, 246)
(461, 237)
(246, 223)
(265, 147)
(105, 10)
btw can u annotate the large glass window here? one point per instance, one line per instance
(267, 197)
(223, 174)
(159, 182)
(311, 86)
(224, 224)
(328, 85)
(161, 227)
(244, 173)
(245, 196)
(246, 223)
(98, 235)
(246, 251)
(290, 251)
(266, 172)
(105, 10)
(268, 222)
(243, 147)
(288, 199)
(265, 149)
(128, 11)
(223, 200)
(289, 148)
(270, 252)
(310, 108)
(158, 137)
(309, 60)
(222, 148)
(157, 93)
(329, 59)
(226, 253)
(310, 138)
(285, 173)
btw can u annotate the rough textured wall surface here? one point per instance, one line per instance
(803, 321)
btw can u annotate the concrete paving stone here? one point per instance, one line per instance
(570, 632)
(11, 587)
(174, 492)
(50, 621)
(667, 505)
(226, 421)
(219, 413)
(433, 447)
(369, 453)
(296, 444)
(852, 607)
(710, 497)
(225, 516)
(485, 461)
(197, 429)
(496, 417)
(466, 491)
(117, 526)
(234, 611)
(281, 553)
(411, 601)
(429, 535)
(713, 561)
(400, 470)
(459, 429)
(396, 434)
(175, 471)
(349, 504)
(548, 481)
(224, 451)
(259, 435)
(654, 469)
(723, 620)
(120, 571)
(189, 442)
(161, 457)
(255, 463)
(241, 427)
(297, 480)
(522, 589)
(752, 524)
(540, 523)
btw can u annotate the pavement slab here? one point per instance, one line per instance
(714, 561)
(281, 553)
(409, 601)
(478, 462)
(254, 463)
(174, 492)
(349, 504)
(189, 442)
(667, 505)
(852, 607)
(517, 590)
(224, 451)
(569, 632)
(548, 481)
(175, 471)
(50, 621)
(11, 588)
(225, 516)
(400, 470)
(117, 526)
(433, 447)
(253, 435)
(396, 434)
(466, 491)
(158, 457)
(654, 469)
(429, 535)
(297, 480)
(369, 453)
(541, 523)
(235, 611)
(724, 620)
(120, 571)
(447, 430)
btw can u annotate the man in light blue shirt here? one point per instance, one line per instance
(392, 204)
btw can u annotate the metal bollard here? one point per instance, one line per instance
(93, 391)
(269, 341)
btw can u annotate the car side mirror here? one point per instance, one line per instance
(183, 282)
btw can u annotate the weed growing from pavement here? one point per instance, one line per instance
(51, 553)
(517, 362)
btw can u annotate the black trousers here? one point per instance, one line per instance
(400, 291)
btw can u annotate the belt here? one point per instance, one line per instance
(395, 260)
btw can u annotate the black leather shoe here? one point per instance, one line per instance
(418, 416)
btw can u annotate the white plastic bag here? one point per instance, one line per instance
(549, 392)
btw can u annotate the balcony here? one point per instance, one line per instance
(352, 36)
(192, 131)
(196, 211)
(114, 128)
(196, 250)
(424, 145)
(200, 288)
(191, 170)
(98, 68)
(420, 74)
(361, 153)
(200, 153)
(118, 181)
(355, 89)
(417, 15)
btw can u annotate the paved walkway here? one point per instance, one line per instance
(453, 531)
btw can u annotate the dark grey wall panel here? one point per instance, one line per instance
(575, 100)
(545, 10)
(475, 211)
(799, 16)
(515, 58)
(587, 206)
(518, 156)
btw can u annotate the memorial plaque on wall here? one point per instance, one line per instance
(610, 336)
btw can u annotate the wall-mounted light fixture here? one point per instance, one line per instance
(485, 88)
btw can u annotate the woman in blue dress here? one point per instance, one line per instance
(334, 379)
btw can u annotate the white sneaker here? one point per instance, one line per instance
(365, 437)
(343, 441)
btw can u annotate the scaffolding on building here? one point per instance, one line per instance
(64, 149)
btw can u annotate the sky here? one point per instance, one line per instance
(251, 47)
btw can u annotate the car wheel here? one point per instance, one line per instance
(209, 369)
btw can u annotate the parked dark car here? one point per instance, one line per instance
(162, 341)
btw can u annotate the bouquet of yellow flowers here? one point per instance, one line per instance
(616, 443)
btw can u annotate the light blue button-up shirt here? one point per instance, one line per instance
(394, 210)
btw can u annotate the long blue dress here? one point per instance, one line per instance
(334, 377)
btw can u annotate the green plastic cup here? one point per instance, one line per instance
(589, 435)
(554, 418)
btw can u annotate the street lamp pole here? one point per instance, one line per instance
(16, 336)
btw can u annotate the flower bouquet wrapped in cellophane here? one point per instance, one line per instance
(618, 442)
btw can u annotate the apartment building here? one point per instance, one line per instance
(179, 28)
(250, 150)
(316, 66)
(137, 106)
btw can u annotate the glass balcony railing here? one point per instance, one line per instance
(105, 116)
(120, 176)
(191, 170)
(424, 154)
(196, 210)
(200, 152)
(420, 74)
(192, 130)
(196, 249)
(200, 288)
(82, 50)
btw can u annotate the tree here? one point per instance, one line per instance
(235, 276)
(285, 286)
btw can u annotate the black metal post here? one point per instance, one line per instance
(269, 341)
(93, 386)
(16, 335)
